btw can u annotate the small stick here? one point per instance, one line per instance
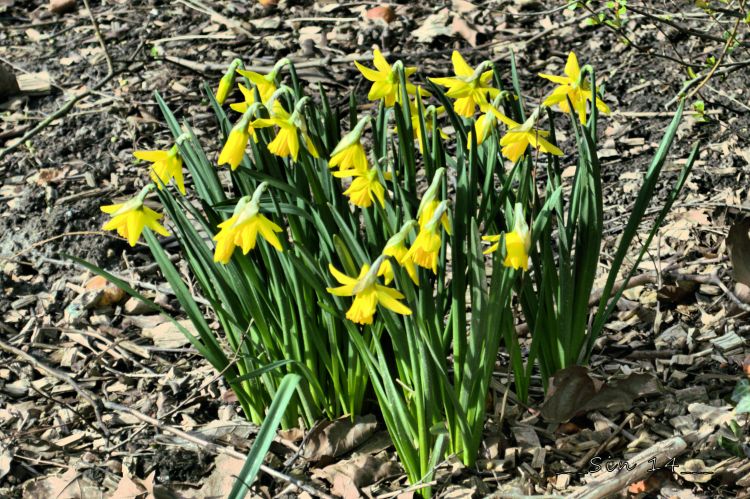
(639, 466)
(110, 67)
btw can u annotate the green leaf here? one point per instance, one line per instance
(265, 436)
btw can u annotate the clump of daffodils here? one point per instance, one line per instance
(418, 243)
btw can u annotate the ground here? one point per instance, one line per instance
(679, 325)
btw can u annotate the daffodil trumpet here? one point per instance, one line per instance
(243, 227)
(266, 84)
(349, 153)
(368, 294)
(234, 148)
(131, 217)
(396, 247)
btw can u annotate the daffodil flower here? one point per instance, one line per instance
(366, 186)
(242, 228)
(517, 242)
(266, 83)
(130, 218)
(166, 165)
(349, 153)
(386, 81)
(287, 141)
(425, 249)
(573, 87)
(396, 247)
(249, 96)
(234, 148)
(367, 293)
(470, 87)
(483, 126)
(519, 137)
(227, 81)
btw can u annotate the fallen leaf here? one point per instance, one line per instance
(167, 335)
(334, 438)
(574, 392)
(383, 13)
(466, 30)
(33, 35)
(569, 389)
(433, 26)
(350, 475)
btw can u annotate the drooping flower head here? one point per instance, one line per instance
(425, 249)
(517, 242)
(430, 200)
(470, 87)
(291, 126)
(243, 227)
(519, 137)
(396, 247)
(349, 153)
(165, 165)
(365, 187)
(130, 218)
(227, 81)
(572, 86)
(386, 83)
(266, 84)
(249, 96)
(367, 293)
(234, 147)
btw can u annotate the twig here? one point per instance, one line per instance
(110, 67)
(642, 464)
(56, 373)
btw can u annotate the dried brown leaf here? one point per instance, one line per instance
(334, 438)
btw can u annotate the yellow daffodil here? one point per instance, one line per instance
(425, 249)
(517, 242)
(483, 126)
(249, 96)
(242, 228)
(234, 148)
(165, 165)
(470, 87)
(519, 137)
(349, 153)
(574, 87)
(266, 83)
(367, 293)
(287, 141)
(386, 81)
(365, 187)
(396, 248)
(129, 218)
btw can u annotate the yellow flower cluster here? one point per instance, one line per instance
(471, 89)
